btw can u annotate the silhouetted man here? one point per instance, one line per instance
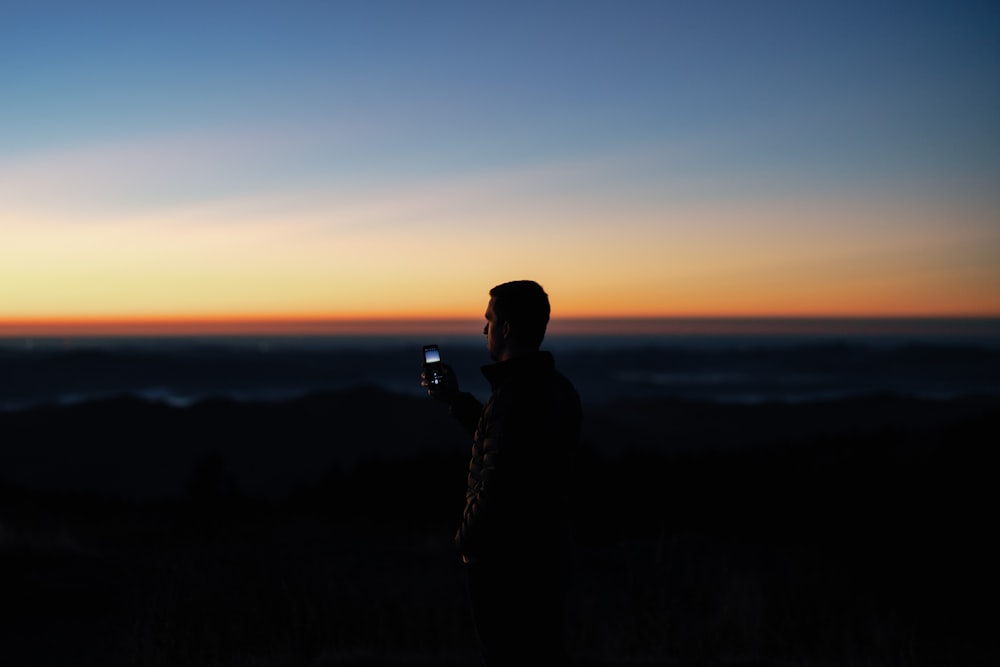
(514, 537)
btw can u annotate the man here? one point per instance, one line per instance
(514, 536)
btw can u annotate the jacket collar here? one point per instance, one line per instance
(529, 364)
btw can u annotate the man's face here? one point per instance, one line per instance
(493, 330)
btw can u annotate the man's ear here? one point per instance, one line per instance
(506, 329)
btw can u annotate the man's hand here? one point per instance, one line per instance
(447, 390)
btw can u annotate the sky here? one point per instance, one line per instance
(311, 160)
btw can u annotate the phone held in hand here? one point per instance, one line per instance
(432, 365)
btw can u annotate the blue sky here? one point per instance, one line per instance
(762, 146)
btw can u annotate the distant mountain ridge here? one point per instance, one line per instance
(802, 371)
(131, 447)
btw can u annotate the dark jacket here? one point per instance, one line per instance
(520, 472)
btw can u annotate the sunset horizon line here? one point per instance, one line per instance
(249, 324)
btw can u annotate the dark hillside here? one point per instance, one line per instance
(318, 531)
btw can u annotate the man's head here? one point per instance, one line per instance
(516, 317)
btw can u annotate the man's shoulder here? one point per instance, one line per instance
(539, 390)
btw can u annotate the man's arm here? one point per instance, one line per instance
(525, 468)
(465, 407)
(498, 505)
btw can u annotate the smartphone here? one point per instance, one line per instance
(432, 364)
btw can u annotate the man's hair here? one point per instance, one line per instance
(525, 305)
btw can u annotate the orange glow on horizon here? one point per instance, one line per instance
(222, 326)
(572, 324)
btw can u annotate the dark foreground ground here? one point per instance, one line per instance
(850, 533)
